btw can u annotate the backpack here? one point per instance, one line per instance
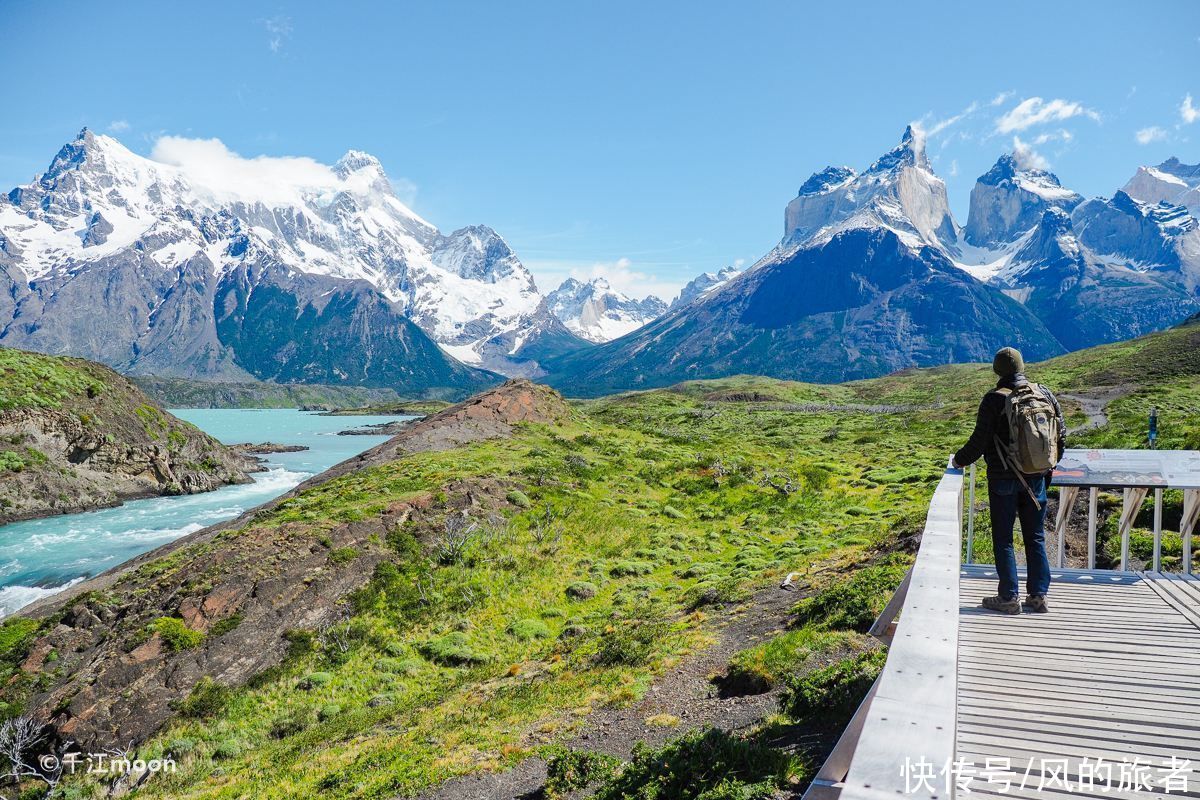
(1033, 431)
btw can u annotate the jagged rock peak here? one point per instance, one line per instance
(1008, 200)
(826, 179)
(909, 153)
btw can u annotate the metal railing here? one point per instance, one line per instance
(910, 713)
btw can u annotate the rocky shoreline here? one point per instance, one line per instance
(76, 436)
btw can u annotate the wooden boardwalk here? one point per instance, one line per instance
(1098, 698)
(1112, 673)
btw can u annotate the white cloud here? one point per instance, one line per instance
(211, 166)
(118, 126)
(1062, 135)
(953, 167)
(1027, 157)
(1036, 111)
(1151, 134)
(1001, 98)
(925, 128)
(1188, 112)
(279, 30)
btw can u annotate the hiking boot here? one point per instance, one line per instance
(997, 603)
(1036, 604)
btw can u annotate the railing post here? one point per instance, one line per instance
(1158, 498)
(1093, 513)
(971, 518)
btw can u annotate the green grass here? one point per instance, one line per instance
(609, 540)
(32, 380)
(575, 601)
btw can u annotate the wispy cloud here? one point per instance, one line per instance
(1062, 135)
(1001, 98)
(279, 30)
(1188, 112)
(1027, 157)
(1150, 134)
(118, 126)
(1036, 111)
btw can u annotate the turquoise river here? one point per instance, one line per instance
(42, 556)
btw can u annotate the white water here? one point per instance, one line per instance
(43, 556)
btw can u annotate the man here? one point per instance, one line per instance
(1031, 414)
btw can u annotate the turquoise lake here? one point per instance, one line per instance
(42, 556)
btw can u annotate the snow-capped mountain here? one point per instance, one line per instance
(899, 192)
(1008, 201)
(160, 231)
(703, 284)
(862, 283)
(873, 274)
(595, 311)
(1093, 271)
(1170, 182)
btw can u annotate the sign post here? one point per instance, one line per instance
(1135, 473)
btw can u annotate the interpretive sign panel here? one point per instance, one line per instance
(1124, 469)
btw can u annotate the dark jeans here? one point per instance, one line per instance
(1009, 500)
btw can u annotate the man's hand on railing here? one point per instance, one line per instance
(953, 464)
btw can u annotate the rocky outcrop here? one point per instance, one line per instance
(245, 589)
(95, 446)
(1008, 200)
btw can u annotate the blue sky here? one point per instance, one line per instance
(645, 141)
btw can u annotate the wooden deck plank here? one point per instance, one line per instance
(1112, 671)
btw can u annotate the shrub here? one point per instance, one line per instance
(453, 650)
(175, 633)
(527, 629)
(625, 568)
(291, 724)
(703, 765)
(315, 680)
(518, 499)
(763, 667)
(328, 712)
(569, 770)
(830, 695)
(715, 593)
(206, 699)
(224, 626)
(343, 555)
(227, 749)
(854, 604)
(582, 590)
(629, 641)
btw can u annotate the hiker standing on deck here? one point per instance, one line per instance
(1021, 434)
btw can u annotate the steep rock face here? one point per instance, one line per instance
(899, 191)
(593, 310)
(705, 283)
(1170, 182)
(104, 635)
(1007, 201)
(160, 236)
(1086, 300)
(1155, 236)
(864, 303)
(76, 436)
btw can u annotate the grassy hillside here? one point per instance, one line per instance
(185, 393)
(509, 592)
(74, 435)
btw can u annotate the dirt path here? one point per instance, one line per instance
(1094, 405)
(686, 691)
